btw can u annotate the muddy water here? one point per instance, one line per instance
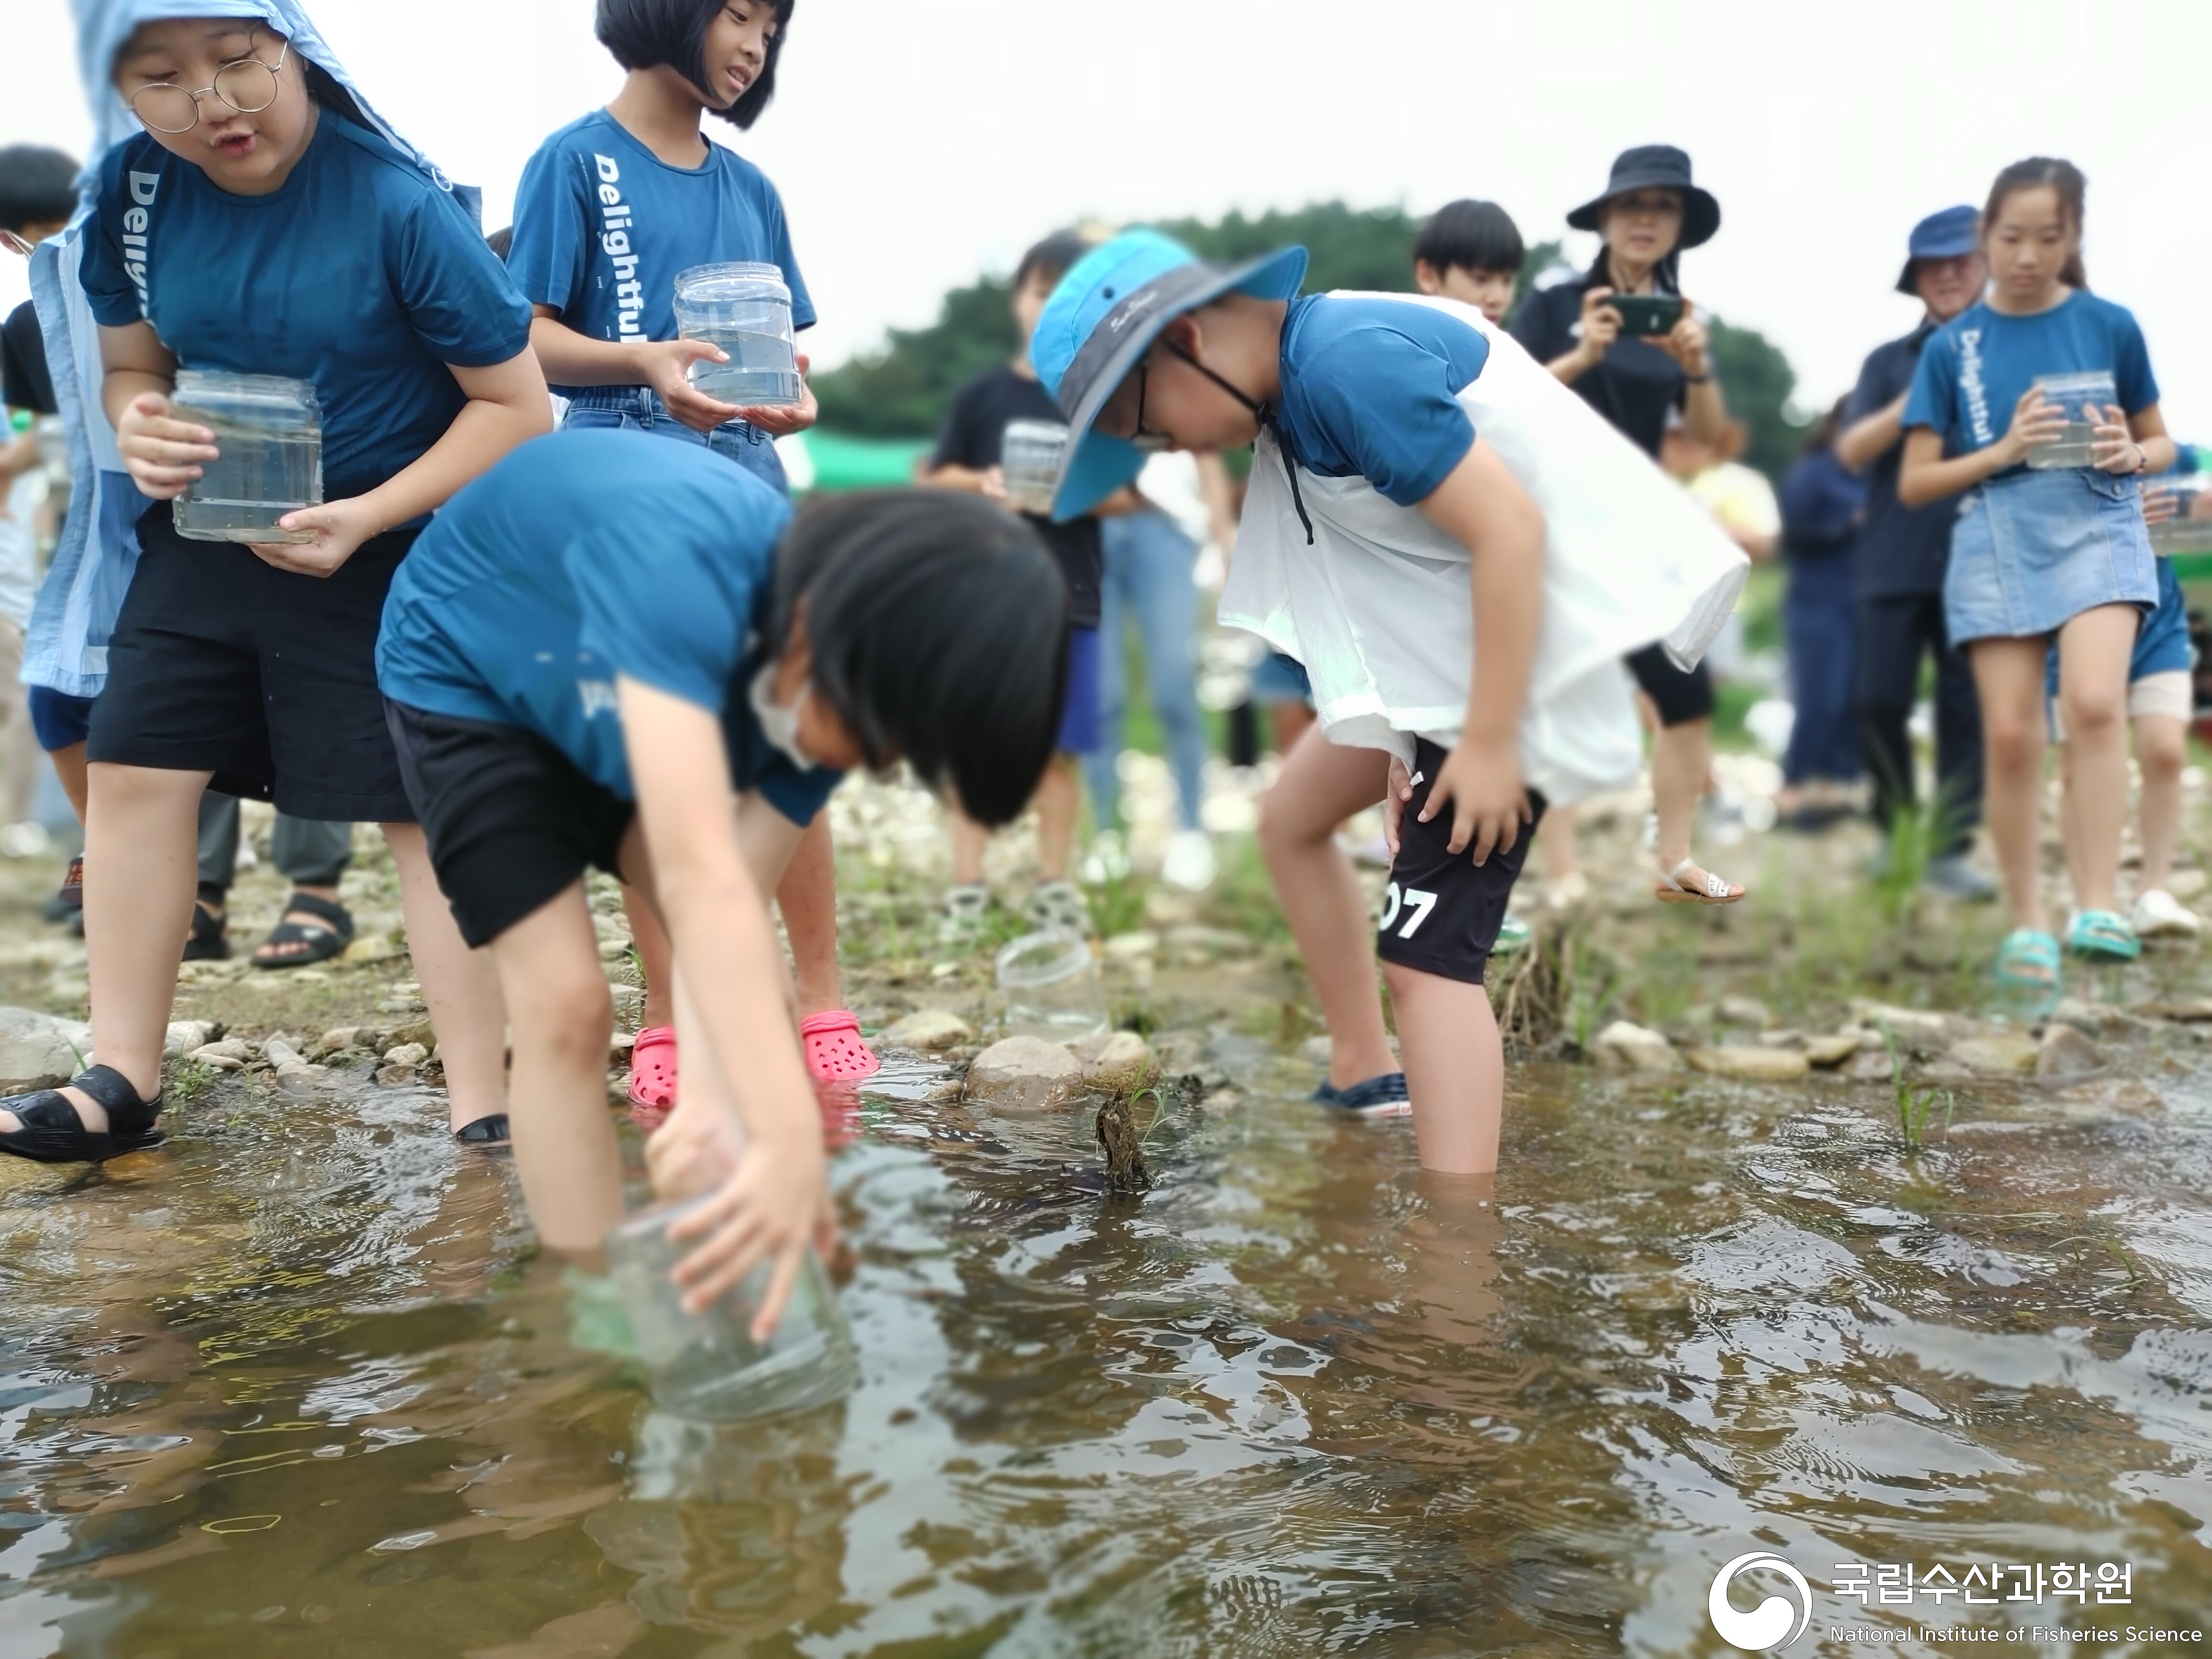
(296, 1384)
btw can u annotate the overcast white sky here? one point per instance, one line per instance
(917, 144)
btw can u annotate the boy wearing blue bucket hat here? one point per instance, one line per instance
(1436, 529)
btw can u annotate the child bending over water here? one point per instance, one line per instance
(545, 729)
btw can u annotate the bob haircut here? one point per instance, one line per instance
(1053, 257)
(1470, 235)
(643, 32)
(938, 625)
(37, 187)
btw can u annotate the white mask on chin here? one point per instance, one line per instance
(778, 724)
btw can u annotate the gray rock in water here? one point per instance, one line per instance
(1024, 1074)
(2006, 1052)
(38, 1051)
(278, 1052)
(1634, 1048)
(1753, 1065)
(407, 1054)
(2065, 1053)
(1119, 1062)
(1827, 1053)
(1744, 1011)
(930, 1031)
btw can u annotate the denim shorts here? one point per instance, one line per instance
(2162, 644)
(2032, 550)
(637, 409)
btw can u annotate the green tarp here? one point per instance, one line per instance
(830, 461)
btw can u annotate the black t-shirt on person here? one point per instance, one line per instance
(1632, 385)
(24, 382)
(1902, 550)
(975, 428)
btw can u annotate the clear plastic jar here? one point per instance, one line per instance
(2189, 531)
(1050, 983)
(2070, 393)
(706, 1366)
(270, 431)
(745, 309)
(1029, 460)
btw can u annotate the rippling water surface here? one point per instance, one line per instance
(297, 1384)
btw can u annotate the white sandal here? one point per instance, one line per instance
(1718, 889)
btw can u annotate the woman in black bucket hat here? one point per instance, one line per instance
(1638, 377)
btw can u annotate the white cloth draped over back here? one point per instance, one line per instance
(1379, 608)
(66, 648)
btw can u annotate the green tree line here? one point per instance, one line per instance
(902, 390)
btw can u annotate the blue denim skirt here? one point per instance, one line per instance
(2031, 550)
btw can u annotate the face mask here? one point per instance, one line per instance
(778, 724)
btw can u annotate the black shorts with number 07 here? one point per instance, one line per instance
(1442, 910)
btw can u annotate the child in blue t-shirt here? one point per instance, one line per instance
(611, 209)
(569, 693)
(2043, 552)
(1440, 533)
(260, 224)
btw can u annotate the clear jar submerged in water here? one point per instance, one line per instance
(1050, 982)
(744, 307)
(2076, 394)
(706, 1366)
(270, 431)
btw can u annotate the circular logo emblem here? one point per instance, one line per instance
(1767, 1624)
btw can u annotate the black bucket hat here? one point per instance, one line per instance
(1655, 166)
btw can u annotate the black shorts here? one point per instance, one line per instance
(223, 663)
(1442, 910)
(1680, 695)
(510, 820)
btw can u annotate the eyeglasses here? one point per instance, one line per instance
(246, 84)
(1150, 442)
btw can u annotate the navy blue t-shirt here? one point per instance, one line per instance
(1978, 366)
(603, 226)
(1370, 389)
(1902, 550)
(582, 555)
(358, 274)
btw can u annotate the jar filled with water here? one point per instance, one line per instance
(1029, 461)
(1051, 987)
(706, 1366)
(270, 431)
(2076, 394)
(744, 308)
(2189, 529)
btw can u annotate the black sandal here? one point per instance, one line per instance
(209, 939)
(485, 1131)
(52, 1132)
(323, 941)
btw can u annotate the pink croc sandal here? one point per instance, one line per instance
(652, 1077)
(835, 1053)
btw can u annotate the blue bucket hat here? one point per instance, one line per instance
(1942, 235)
(1103, 318)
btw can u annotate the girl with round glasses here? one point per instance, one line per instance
(278, 231)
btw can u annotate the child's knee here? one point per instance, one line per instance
(2015, 743)
(2162, 749)
(2094, 712)
(567, 1013)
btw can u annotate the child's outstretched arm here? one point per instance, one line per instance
(1481, 505)
(776, 1201)
(572, 358)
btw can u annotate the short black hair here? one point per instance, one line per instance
(1052, 258)
(1470, 235)
(938, 625)
(37, 187)
(643, 32)
(501, 242)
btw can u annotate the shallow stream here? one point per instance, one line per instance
(297, 1384)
